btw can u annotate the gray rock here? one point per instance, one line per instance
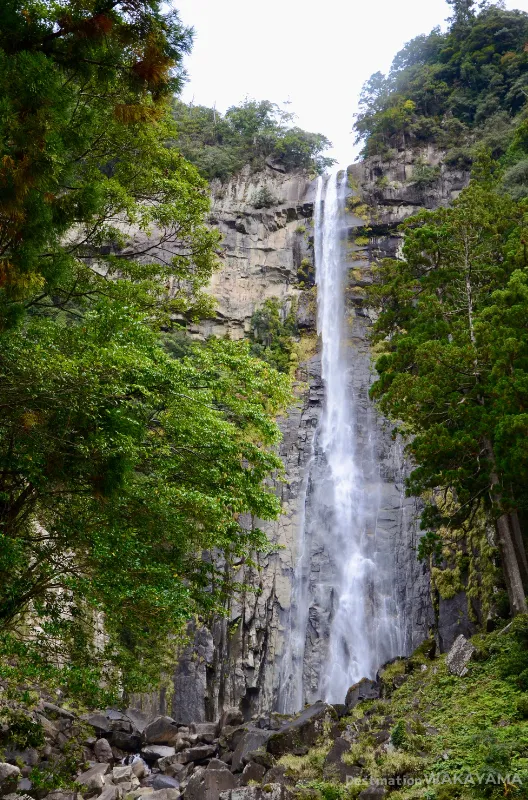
(99, 723)
(164, 794)
(139, 767)
(363, 690)
(204, 729)
(138, 719)
(173, 766)
(122, 773)
(103, 751)
(60, 794)
(56, 711)
(251, 740)
(129, 742)
(93, 778)
(304, 730)
(230, 716)
(334, 767)
(199, 753)
(165, 782)
(208, 784)
(162, 730)
(373, 793)
(459, 656)
(153, 752)
(216, 763)
(252, 772)
(272, 791)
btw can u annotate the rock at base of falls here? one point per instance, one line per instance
(365, 689)
(459, 656)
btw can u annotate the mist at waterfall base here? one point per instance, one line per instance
(363, 629)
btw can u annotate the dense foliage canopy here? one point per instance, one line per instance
(454, 368)
(128, 458)
(451, 87)
(220, 145)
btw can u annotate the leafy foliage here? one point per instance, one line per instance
(453, 370)
(444, 86)
(274, 331)
(220, 145)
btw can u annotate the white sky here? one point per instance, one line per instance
(316, 54)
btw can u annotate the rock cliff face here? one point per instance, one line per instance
(236, 661)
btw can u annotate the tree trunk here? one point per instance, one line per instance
(506, 536)
(520, 550)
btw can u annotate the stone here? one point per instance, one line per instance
(334, 767)
(165, 782)
(103, 751)
(278, 774)
(172, 766)
(99, 723)
(122, 773)
(164, 794)
(24, 785)
(459, 656)
(252, 739)
(230, 716)
(373, 793)
(154, 752)
(199, 753)
(204, 729)
(138, 719)
(129, 742)
(162, 730)
(365, 689)
(208, 784)
(304, 730)
(272, 791)
(93, 778)
(262, 757)
(340, 709)
(216, 763)
(60, 794)
(56, 711)
(252, 772)
(29, 756)
(139, 767)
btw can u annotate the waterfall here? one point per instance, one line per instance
(344, 620)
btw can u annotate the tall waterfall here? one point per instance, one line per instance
(343, 605)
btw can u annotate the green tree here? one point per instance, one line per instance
(124, 476)
(443, 374)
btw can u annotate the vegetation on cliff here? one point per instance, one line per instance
(455, 88)
(125, 459)
(251, 133)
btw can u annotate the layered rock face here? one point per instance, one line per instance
(266, 221)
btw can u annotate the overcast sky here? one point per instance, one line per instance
(316, 54)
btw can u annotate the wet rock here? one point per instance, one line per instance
(103, 751)
(304, 730)
(138, 719)
(252, 739)
(459, 656)
(162, 730)
(99, 723)
(365, 689)
(154, 752)
(208, 784)
(252, 772)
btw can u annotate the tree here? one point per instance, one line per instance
(124, 478)
(440, 375)
(83, 125)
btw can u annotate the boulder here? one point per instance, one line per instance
(252, 772)
(204, 729)
(365, 689)
(373, 793)
(272, 791)
(165, 782)
(162, 730)
(139, 767)
(303, 731)
(129, 742)
(208, 784)
(63, 794)
(162, 794)
(55, 712)
(459, 656)
(199, 753)
(93, 778)
(154, 752)
(252, 739)
(334, 767)
(231, 716)
(138, 719)
(173, 767)
(217, 763)
(101, 725)
(103, 751)
(122, 773)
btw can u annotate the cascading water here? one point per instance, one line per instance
(343, 605)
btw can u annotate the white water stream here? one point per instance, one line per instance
(363, 629)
